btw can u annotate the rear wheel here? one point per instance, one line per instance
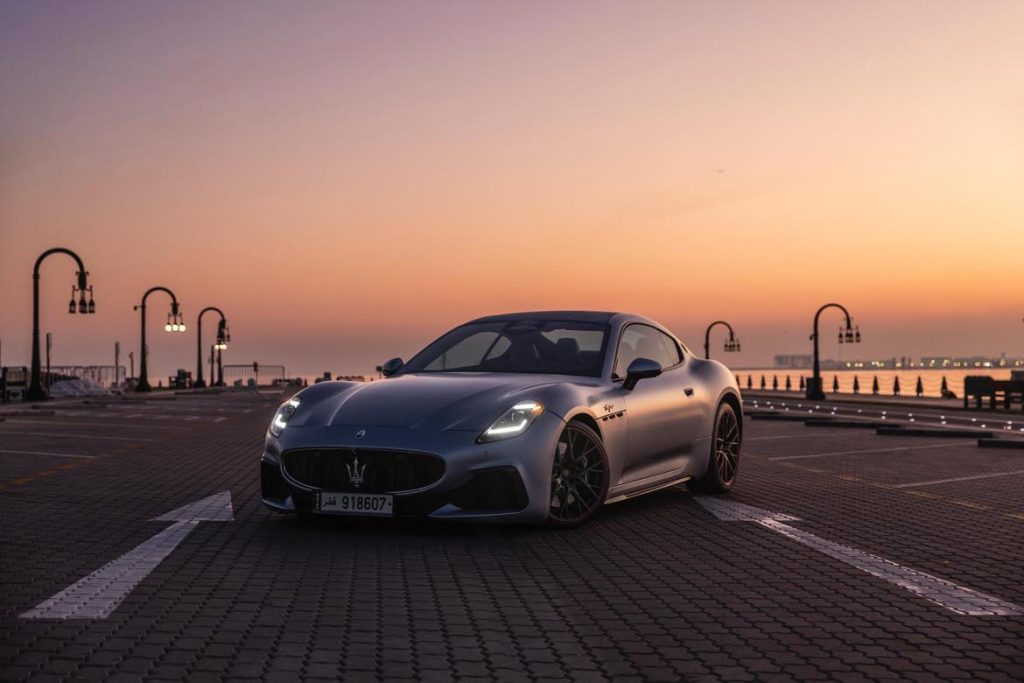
(725, 454)
(579, 477)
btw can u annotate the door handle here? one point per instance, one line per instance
(688, 391)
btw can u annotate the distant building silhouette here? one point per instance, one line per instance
(796, 360)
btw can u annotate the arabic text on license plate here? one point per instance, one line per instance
(356, 504)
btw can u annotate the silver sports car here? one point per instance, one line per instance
(528, 417)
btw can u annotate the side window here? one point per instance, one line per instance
(644, 341)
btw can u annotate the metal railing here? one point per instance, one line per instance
(14, 380)
(109, 376)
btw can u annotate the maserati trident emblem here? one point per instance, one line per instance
(355, 473)
(361, 433)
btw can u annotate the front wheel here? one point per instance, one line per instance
(725, 454)
(579, 477)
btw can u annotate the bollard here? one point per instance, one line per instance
(801, 384)
(775, 382)
(896, 386)
(789, 384)
(874, 386)
(835, 384)
(763, 385)
(856, 385)
(920, 387)
(750, 382)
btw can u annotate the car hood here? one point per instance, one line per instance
(444, 401)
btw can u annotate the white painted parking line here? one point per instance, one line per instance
(950, 481)
(955, 598)
(55, 455)
(76, 436)
(97, 595)
(894, 449)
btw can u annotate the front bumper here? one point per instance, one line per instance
(502, 481)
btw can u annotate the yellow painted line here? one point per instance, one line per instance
(51, 454)
(68, 466)
(76, 436)
(96, 424)
(895, 449)
(932, 482)
(970, 504)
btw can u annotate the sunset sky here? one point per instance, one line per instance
(348, 180)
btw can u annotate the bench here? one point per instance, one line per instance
(982, 389)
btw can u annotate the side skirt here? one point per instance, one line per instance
(648, 489)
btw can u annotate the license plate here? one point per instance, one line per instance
(379, 505)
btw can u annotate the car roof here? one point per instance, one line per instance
(569, 316)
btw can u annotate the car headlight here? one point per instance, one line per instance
(283, 414)
(513, 422)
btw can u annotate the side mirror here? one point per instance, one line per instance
(640, 368)
(391, 367)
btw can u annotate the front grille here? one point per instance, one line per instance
(377, 471)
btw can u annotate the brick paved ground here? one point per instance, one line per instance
(656, 588)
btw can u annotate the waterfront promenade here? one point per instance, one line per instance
(860, 556)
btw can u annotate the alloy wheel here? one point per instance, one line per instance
(727, 447)
(578, 478)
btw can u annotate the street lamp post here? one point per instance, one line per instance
(850, 335)
(175, 323)
(223, 337)
(213, 358)
(732, 344)
(36, 392)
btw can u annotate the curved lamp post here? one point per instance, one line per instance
(175, 323)
(36, 392)
(732, 344)
(850, 335)
(223, 337)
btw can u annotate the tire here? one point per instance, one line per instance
(579, 477)
(724, 459)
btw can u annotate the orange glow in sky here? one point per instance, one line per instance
(348, 180)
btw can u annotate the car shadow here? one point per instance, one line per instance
(659, 503)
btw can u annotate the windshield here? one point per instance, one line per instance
(551, 347)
